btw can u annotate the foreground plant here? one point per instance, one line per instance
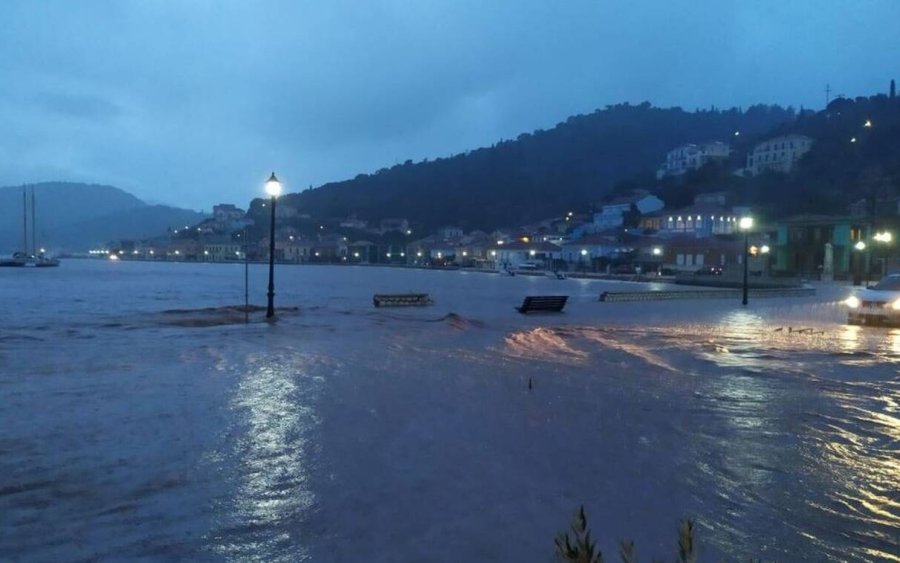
(581, 549)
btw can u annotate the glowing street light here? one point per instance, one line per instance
(860, 247)
(273, 188)
(867, 124)
(657, 251)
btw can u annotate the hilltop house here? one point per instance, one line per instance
(691, 157)
(778, 155)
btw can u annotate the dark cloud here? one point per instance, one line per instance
(193, 103)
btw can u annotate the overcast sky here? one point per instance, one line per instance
(194, 102)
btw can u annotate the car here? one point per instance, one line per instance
(878, 304)
(709, 271)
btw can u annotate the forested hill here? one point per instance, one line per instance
(855, 155)
(538, 174)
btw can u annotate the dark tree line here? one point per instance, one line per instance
(537, 175)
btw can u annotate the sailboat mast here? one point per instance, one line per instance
(24, 220)
(33, 238)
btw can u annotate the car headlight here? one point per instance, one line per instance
(853, 301)
(896, 305)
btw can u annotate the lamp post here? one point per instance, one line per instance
(273, 188)
(860, 246)
(745, 224)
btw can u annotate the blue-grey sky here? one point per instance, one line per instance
(194, 102)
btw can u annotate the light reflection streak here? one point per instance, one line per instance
(274, 495)
(849, 338)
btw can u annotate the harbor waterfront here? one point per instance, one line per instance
(142, 419)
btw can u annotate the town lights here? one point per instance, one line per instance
(584, 251)
(657, 251)
(273, 188)
(860, 246)
(745, 224)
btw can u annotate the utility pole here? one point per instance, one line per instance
(827, 94)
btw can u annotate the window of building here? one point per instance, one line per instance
(679, 259)
(698, 260)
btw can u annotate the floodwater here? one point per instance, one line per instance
(141, 420)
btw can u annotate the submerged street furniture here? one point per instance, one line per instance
(543, 304)
(402, 300)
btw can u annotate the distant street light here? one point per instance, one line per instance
(273, 188)
(745, 224)
(885, 239)
(867, 124)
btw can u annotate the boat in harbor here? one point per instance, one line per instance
(23, 258)
(18, 260)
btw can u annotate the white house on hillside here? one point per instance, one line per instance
(778, 154)
(691, 157)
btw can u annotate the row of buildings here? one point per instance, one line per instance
(778, 154)
(613, 239)
(635, 231)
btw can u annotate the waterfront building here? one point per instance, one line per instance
(612, 214)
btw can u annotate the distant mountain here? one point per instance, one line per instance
(74, 217)
(535, 176)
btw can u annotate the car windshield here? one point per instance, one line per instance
(890, 283)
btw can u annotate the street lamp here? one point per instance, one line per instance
(860, 247)
(273, 188)
(745, 224)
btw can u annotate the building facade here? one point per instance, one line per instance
(777, 155)
(691, 157)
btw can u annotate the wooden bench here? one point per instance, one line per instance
(401, 300)
(543, 304)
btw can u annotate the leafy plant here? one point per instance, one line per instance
(580, 548)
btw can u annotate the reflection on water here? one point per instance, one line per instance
(274, 456)
(794, 434)
(849, 338)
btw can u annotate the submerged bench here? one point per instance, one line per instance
(401, 300)
(543, 303)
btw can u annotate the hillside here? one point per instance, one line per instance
(537, 175)
(74, 217)
(848, 161)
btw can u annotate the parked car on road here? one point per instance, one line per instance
(878, 304)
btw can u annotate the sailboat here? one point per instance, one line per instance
(22, 258)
